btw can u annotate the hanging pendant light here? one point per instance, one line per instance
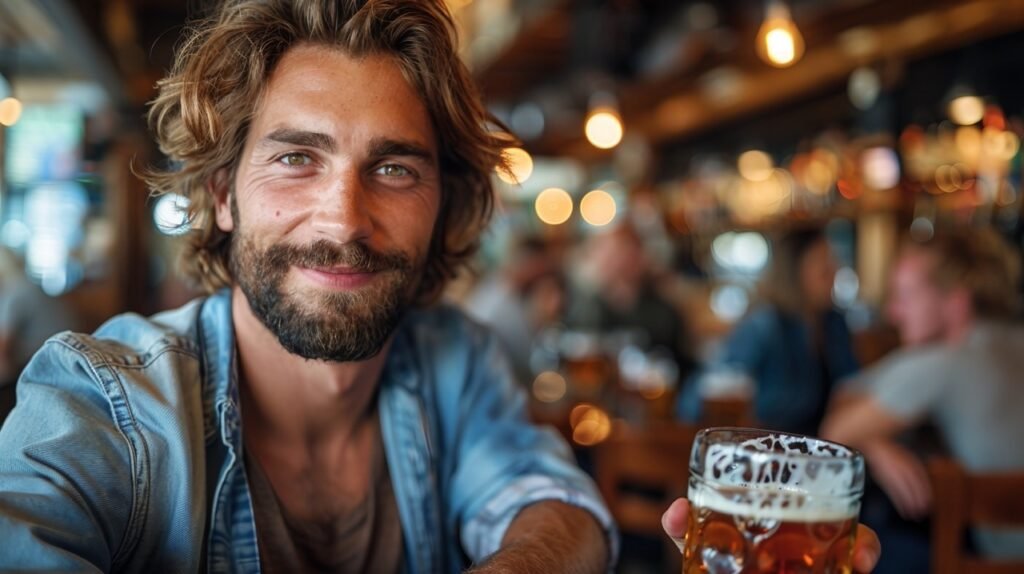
(603, 126)
(779, 42)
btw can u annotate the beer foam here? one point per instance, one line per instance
(772, 504)
(779, 477)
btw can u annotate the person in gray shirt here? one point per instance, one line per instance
(953, 299)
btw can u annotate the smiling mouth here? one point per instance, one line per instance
(341, 278)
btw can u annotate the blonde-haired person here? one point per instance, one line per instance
(793, 344)
(315, 412)
(955, 301)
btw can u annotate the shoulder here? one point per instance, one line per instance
(765, 320)
(911, 367)
(128, 342)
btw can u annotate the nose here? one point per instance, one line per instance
(344, 210)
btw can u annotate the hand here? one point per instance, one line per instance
(902, 476)
(866, 548)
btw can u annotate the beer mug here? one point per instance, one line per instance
(770, 502)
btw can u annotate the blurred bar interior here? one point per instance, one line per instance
(707, 127)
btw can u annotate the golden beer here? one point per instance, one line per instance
(765, 502)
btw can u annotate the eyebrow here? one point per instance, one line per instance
(383, 147)
(304, 138)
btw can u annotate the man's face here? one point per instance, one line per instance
(917, 307)
(334, 203)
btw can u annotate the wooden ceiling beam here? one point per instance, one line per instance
(690, 110)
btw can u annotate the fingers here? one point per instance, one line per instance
(674, 521)
(915, 490)
(903, 496)
(866, 550)
(923, 486)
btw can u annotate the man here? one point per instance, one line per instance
(314, 413)
(952, 299)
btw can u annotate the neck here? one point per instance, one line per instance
(289, 399)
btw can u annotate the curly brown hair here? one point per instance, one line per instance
(202, 113)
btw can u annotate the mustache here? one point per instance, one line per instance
(323, 253)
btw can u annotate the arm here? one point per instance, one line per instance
(859, 420)
(65, 476)
(547, 537)
(900, 394)
(510, 477)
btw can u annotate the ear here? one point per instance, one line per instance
(219, 187)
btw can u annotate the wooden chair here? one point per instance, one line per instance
(963, 500)
(639, 472)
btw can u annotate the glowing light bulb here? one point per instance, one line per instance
(553, 206)
(520, 166)
(966, 110)
(604, 128)
(779, 42)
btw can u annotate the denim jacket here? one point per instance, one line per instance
(124, 452)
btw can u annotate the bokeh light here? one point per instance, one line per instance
(729, 302)
(554, 206)
(604, 128)
(598, 208)
(549, 387)
(590, 425)
(880, 167)
(10, 111)
(755, 165)
(779, 42)
(966, 110)
(170, 214)
(845, 287)
(922, 229)
(743, 252)
(520, 166)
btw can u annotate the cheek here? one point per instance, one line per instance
(411, 228)
(924, 317)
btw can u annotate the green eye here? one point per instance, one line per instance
(393, 170)
(295, 159)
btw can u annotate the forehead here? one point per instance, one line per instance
(324, 89)
(915, 265)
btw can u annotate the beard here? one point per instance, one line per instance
(335, 326)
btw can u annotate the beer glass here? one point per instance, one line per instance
(770, 502)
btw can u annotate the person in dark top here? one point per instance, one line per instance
(794, 345)
(617, 291)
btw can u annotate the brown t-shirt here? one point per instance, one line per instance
(369, 539)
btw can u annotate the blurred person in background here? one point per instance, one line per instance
(518, 300)
(27, 318)
(317, 411)
(616, 289)
(794, 345)
(954, 299)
